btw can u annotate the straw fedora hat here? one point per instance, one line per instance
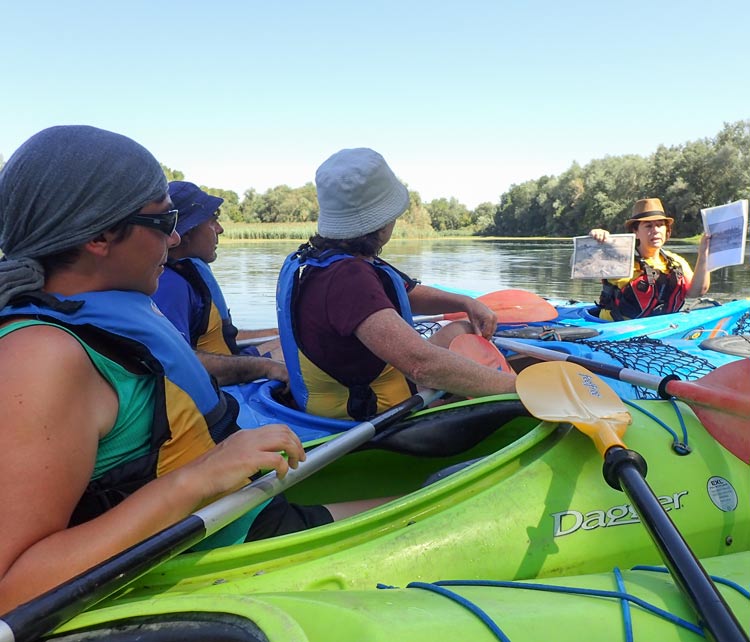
(648, 209)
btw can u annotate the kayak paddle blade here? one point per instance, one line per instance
(562, 391)
(721, 400)
(513, 306)
(518, 306)
(478, 349)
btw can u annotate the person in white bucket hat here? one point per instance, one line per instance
(345, 314)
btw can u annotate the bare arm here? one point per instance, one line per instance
(230, 369)
(48, 445)
(245, 335)
(701, 276)
(427, 300)
(388, 336)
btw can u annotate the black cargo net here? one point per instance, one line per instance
(654, 357)
(428, 328)
(743, 324)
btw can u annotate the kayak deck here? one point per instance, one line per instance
(639, 604)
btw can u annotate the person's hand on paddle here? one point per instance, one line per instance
(483, 320)
(234, 460)
(599, 234)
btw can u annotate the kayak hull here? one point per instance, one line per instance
(694, 324)
(535, 495)
(640, 604)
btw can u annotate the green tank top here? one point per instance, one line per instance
(129, 437)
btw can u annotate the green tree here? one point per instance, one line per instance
(172, 174)
(484, 217)
(230, 207)
(283, 204)
(417, 214)
(251, 204)
(448, 214)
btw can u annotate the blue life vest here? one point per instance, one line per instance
(286, 293)
(187, 399)
(205, 333)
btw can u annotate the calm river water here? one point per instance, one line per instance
(247, 272)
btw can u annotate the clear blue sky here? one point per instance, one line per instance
(463, 98)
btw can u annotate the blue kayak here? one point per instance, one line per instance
(660, 345)
(704, 321)
(688, 344)
(259, 405)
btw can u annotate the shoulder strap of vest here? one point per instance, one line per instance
(286, 291)
(399, 281)
(672, 263)
(187, 270)
(46, 300)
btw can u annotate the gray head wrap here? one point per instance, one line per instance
(60, 189)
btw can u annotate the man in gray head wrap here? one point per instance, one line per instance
(57, 192)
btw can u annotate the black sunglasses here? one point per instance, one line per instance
(165, 222)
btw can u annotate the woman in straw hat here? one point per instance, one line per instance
(661, 280)
(345, 315)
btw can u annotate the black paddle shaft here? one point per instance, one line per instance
(720, 624)
(33, 619)
(40, 615)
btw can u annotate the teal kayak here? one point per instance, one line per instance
(687, 344)
(703, 320)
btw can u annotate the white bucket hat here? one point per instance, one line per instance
(358, 193)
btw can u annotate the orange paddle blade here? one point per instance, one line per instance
(563, 391)
(478, 349)
(514, 306)
(721, 400)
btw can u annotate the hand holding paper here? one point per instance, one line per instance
(727, 227)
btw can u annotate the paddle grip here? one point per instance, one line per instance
(615, 458)
(662, 389)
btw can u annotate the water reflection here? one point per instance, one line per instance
(248, 272)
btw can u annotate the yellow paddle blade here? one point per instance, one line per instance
(564, 391)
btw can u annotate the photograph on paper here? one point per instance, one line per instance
(727, 225)
(611, 259)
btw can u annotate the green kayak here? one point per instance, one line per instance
(530, 504)
(641, 604)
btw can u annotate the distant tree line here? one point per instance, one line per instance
(687, 177)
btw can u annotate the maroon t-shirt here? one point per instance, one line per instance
(331, 304)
